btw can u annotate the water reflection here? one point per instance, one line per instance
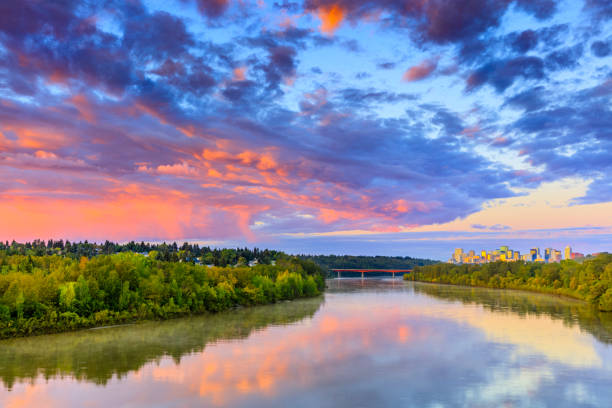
(372, 343)
(101, 354)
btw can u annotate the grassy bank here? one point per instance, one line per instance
(52, 293)
(590, 280)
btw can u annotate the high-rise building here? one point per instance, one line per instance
(547, 254)
(535, 253)
(458, 255)
(568, 252)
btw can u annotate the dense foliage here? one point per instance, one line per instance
(167, 252)
(56, 293)
(590, 280)
(328, 262)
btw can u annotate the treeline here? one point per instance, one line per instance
(590, 280)
(167, 252)
(53, 293)
(328, 262)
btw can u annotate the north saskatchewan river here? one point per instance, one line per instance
(371, 343)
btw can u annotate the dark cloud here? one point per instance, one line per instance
(20, 18)
(386, 65)
(159, 36)
(572, 138)
(541, 9)
(600, 49)
(530, 100)
(525, 41)
(564, 58)
(238, 90)
(212, 8)
(281, 64)
(450, 123)
(356, 96)
(290, 6)
(602, 9)
(501, 74)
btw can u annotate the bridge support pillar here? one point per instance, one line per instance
(393, 275)
(361, 274)
(338, 274)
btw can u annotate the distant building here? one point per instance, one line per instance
(458, 255)
(568, 252)
(547, 254)
(577, 255)
(506, 254)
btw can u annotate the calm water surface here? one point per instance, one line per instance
(375, 343)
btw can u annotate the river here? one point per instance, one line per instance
(371, 343)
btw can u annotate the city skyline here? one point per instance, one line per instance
(316, 126)
(506, 254)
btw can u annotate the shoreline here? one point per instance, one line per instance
(135, 322)
(530, 291)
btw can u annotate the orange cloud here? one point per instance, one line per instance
(331, 18)
(37, 138)
(240, 73)
(41, 154)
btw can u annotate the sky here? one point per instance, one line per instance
(319, 126)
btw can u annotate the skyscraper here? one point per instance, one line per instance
(458, 255)
(568, 252)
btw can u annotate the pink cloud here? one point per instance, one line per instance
(421, 71)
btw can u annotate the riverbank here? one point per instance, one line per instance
(52, 294)
(590, 281)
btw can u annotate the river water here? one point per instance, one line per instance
(372, 343)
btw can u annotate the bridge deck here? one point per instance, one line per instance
(366, 270)
(373, 270)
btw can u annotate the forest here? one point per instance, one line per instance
(589, 280)
(54, 293)
(328, 262)
(167, 252)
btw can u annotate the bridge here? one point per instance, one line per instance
(364, 271)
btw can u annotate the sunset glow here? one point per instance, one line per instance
(354, 126)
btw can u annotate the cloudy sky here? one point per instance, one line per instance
(403, 127)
